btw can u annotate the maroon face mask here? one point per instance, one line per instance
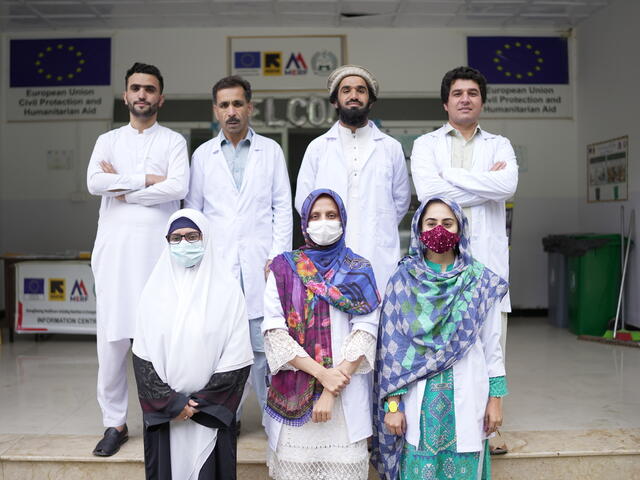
(439, 239)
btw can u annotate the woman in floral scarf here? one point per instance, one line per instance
(439, 369)
(320, 325)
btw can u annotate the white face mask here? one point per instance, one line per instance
(324, 232)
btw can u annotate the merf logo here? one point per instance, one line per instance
(79, 292)
(296, 65)
(57, 289)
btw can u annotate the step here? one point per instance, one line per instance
(539, 455)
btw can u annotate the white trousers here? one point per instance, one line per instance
(112, 380)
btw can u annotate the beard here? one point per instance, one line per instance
(149, 112)
(354, 116)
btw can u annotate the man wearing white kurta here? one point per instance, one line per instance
(473, 167)
(365, 167)
(141, 171)
(239, 180)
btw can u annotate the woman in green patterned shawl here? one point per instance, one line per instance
(439, 371)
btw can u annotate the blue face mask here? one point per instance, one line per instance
(187, 254)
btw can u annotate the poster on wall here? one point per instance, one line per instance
(59, 79)
(607, 166)
(55, 297)
(528, 77)
(288, 63)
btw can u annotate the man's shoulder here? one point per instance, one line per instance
(433, 135)
(492, 136)
(172, 134)
(113, 134)
(205, 147)
(265, 142)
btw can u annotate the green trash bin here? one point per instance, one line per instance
(594, 282)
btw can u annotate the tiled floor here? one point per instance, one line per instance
(556, 382)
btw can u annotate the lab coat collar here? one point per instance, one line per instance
(251, 134)
(254, 146)
(479, 131)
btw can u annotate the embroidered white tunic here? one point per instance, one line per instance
(336, 449)
(130, 233)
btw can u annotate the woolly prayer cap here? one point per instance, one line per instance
(348, 70)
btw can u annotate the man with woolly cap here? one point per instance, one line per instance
(364, 166)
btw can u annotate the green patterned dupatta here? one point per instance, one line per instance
(429, 321)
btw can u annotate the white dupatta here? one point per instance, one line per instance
(192, 323)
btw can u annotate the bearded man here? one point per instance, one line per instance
(364, 166)
(141, 171)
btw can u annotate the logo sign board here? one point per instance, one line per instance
(55, 297)
(286, 63)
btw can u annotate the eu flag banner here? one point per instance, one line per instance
(520, 60)
(59, 62)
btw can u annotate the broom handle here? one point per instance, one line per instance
(632, 222)
(622, 249)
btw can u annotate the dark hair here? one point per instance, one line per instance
(231, 82)
(465, 73)
(333, 97)
(433, 202)
(144, 68)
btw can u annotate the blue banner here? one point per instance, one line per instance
(528, 60)
(60, 62)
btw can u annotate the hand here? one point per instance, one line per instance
(107, 167)
(121, 198)
(188, 411)
(151, 179)
(267, 269)
(498, 166)
(395, 422)
(323, 407)
(493, 415)
(333, 380)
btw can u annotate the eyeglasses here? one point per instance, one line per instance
(189, 237)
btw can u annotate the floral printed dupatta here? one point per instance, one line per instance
(308, 281)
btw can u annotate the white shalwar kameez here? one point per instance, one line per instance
(368, 170)
(129, 241)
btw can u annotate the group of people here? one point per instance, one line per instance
(355, 354)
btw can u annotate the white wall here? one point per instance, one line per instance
(608, 75)
(38, 200)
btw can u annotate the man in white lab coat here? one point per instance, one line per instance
(239, 180)
(365, 167)
(473, 167)
(141, 171)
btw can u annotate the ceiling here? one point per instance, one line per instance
(32, 15)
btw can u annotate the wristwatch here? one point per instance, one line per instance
(391, 406)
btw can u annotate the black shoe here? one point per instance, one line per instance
(111, 442)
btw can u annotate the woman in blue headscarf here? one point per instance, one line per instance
(439, 369)
(320, 323)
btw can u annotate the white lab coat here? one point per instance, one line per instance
(131, 234)
(385, 193)
(471, 388)
(484, 191)
(356, 397)
(250, 225)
